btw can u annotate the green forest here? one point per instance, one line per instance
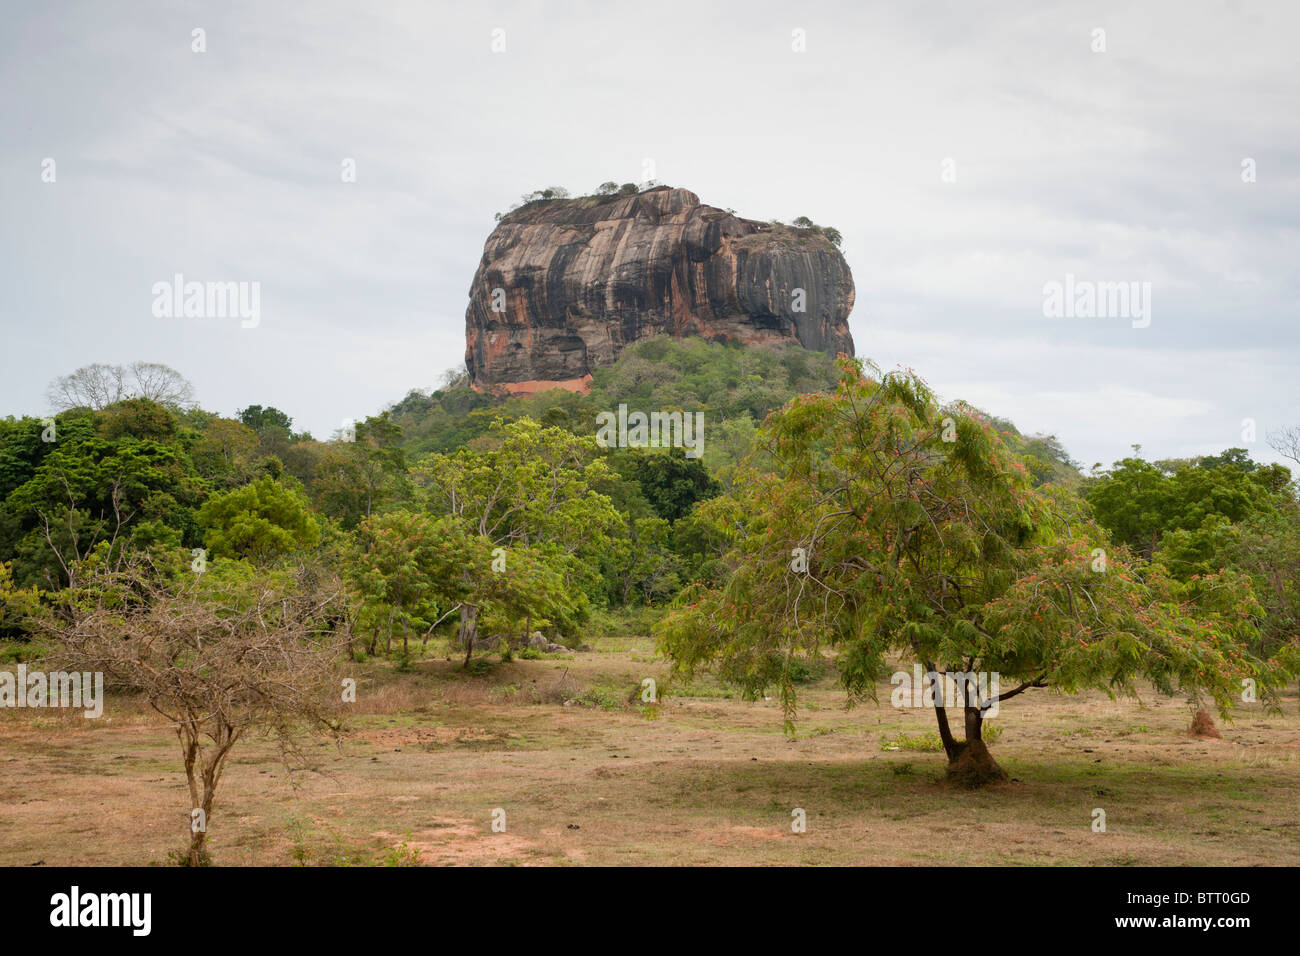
(440, 479)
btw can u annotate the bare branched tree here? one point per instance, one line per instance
(98, 386)
(1286, 442)
(84, 532)
(160, 383)
(219, 659)
(453, 378)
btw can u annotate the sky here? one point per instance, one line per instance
(970, 153)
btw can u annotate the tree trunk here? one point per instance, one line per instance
(974, 766)
(468, 629)
(195, 856)
(188, 734)
(950, 745)
(198, 841)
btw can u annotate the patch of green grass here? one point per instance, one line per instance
(602, 696)
(928, 742)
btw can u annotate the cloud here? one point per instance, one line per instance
(1119, 166)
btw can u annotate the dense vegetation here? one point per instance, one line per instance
(132, 474)
(832, 508)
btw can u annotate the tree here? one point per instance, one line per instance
(17, 605)
(875, 521)
(1139, 503)
(91, 490)
(256, 417)
(1286, 442)
(671, 482)
(1237, 458)
(260, 521)
(530, 492)
(641, 562)
(21, 450)
(533, 486)
(220, 655)
(417, 565)
(224, 451)
(139, 418)
(98, 386)
(403, 559)
(509, 586)
(353, 478)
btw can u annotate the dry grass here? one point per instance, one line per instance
(711, 779)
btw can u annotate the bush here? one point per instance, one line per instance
(804, 672)
(479, 667)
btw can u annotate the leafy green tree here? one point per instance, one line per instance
(86, 491)
(419, 569)
(530, 490)
(354, 478)
(224, 451)
(1266, 547)
(256, 417)
(670, 482)
(1131, 502)
(642, 563)
(138, 418)
(260, 521)
(512, 586)
(1237, 458)
(21, 450)
(532, 485)
(878, 523)
(407, 569)
(17, 605)
(1139, 503)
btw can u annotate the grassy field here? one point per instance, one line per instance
(586, 774)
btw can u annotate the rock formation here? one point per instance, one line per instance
(565, 284)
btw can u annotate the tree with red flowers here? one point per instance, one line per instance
(878, 523)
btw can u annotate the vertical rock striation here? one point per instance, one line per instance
(564, 285)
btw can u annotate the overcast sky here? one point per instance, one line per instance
(1117, 166)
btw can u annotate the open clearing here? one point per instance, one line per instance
(706, 778)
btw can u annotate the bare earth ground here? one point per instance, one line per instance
(707, 779)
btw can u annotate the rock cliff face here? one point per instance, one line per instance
(565, 285)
